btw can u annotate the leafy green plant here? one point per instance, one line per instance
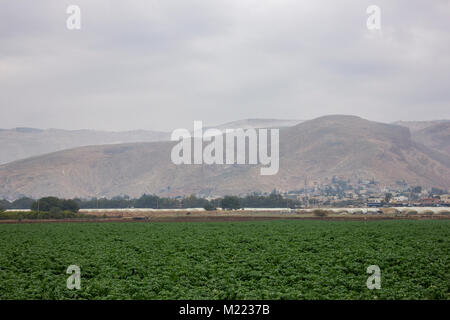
(284, 259)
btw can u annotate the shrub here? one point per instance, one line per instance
(389, 211)
(320, 213)
(54, 213)
(5, 215)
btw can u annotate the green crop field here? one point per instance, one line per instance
(224, 260)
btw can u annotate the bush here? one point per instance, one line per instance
(54, 213)
(320, 213)
(389, 211)
(411, 212)
(5, 215)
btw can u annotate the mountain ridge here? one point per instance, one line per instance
(23, 142)
(317, 149)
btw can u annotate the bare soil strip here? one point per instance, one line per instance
(228, 218)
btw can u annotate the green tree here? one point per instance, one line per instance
(46, 204)
(231, 202)
(22, 203)
(147, 201)
(4, 204)
(193, 202)
(69, 205)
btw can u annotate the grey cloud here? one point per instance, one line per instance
(162, 64)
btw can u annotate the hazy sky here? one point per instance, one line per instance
(162, 64)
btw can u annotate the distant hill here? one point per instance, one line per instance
(419, 125)
(21, 143)
(345, 146)
(351, 146)
(436, 136)
(433, 134)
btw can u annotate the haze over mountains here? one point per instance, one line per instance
(415, 126)
(21, 143)
(257, 123)
(318, 149)
(436, 136)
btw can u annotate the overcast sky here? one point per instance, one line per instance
(162, 64)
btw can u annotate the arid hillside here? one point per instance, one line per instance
(318, 149)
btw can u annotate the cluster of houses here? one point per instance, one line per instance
(344, 192)
(340, 192)
(402, 201)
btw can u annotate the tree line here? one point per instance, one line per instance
(273, 200)
(46, 204)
